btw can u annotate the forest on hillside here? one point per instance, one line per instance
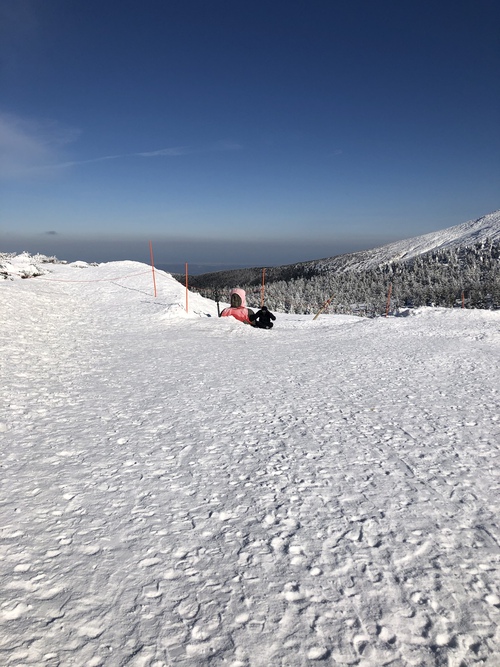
(456, 277)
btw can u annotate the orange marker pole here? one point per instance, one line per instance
(152, 266)
(388, 300)
(463, 300)
(187, 301)
(262, 288)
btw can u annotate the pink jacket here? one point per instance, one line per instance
(241, 313)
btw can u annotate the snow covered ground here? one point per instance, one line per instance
(187, 490)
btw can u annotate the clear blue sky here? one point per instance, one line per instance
(235, 132)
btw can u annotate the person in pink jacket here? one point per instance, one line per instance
(238, 308)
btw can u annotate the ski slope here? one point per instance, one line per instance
(182, 490)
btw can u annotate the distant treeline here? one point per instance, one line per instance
(467, 276)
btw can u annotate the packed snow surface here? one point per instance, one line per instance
(182, 490)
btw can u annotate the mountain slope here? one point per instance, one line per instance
(460, 236)
(464, 235)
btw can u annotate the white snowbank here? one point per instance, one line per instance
(24, 265)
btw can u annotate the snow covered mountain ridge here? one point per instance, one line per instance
(460, 236)
(468, 233)
(464, 235)
(432, 268)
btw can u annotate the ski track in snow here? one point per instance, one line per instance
(196, 492)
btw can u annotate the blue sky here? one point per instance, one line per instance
(235, 133)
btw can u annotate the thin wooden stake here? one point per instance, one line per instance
(187, 291)
(323, 307)
(152, 266)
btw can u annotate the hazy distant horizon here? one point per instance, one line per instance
(202, 256)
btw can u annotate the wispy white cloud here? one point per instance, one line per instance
(217, 147)
(76, 163)
(30, 147)
(164, 152)
(175, 151)
(28, 144)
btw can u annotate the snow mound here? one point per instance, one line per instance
(177, 311)
(24, 265)
(80, 265)
(120, 283)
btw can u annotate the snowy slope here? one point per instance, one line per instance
(459, 236)
(187, 491)
(464, 235)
